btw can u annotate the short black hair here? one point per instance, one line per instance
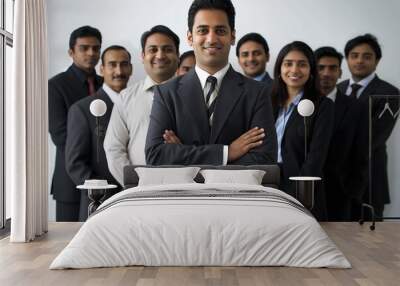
(328, 52)
(81, 32)
(368, 39)
(114, 48)
(224, 5)
(185, 55)
(161, 29)
(253, 37)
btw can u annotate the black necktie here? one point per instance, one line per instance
(354, 88)
(209, 100)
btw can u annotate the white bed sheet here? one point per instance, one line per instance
(190, 231)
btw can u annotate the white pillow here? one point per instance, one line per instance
(248, 177)
(163, 176)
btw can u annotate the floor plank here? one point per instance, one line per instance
(374, 255)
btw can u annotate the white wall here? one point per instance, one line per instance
(318, 23)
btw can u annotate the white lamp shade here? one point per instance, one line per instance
(98, 107)
(305, 107)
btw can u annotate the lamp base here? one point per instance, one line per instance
(305, 190)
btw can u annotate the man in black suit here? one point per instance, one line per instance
(363, 54)
(77, 82)
(218, 115)
(346, 166)
(253, 54)
(84, 153)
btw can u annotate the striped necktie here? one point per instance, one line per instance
(211, 96)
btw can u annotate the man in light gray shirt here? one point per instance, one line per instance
(126, 133)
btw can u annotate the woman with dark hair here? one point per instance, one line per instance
(295, 79)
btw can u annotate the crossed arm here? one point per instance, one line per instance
(255, 146)
(241, 146)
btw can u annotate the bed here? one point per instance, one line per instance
(201, 224)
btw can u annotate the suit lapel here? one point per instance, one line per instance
(342, 87)
(294, 117)
(103, 96)
(370, 89)
(229, 93)
(294, 120)
(267, 78)
(78, 87)
(191, 93)
(340, 109)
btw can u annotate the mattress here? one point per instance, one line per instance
(201, 225)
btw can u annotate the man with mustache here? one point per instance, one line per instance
(213, 114)
(77, 82)
(126, 132)
(253, 54)
(84, 153)
(363, 54)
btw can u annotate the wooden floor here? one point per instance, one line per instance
(374, 255)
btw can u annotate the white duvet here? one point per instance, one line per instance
(183, 230)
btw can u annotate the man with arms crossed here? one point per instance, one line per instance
(218, 115)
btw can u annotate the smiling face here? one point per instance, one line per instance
(295, 71)
(211, 39)
(116, 69)
(362, 61)
(252, 58)
(160, 57)
(86, 53)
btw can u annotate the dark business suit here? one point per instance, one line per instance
(179, 105)
(82, 143)
(65, 89)
(267, 80)
(381, 130)
(346, 167)
(320, 126)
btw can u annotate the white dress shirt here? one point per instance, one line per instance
(112, 94)
(364, 82)
(332, 94)
(127, 130)
(260, 77)
(219, 75)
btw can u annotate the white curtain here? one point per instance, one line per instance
(27, 123)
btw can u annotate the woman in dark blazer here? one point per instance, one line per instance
(295, 79)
